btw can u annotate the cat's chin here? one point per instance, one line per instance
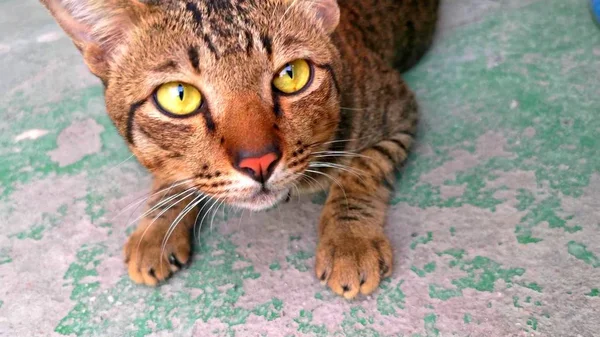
(262, 200)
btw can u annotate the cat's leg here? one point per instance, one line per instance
(353, 253)
(151, 258)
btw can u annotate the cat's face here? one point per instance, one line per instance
(233, 96)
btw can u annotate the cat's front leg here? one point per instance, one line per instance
(162, 242)
(353, 253)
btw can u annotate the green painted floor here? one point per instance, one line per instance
(496, 220)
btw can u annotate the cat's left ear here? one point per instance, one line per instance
(97, 27)
(327, 12)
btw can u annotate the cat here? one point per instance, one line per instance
(248, 101)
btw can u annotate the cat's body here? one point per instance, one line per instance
(250, 141)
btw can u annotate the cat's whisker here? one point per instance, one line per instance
(140, 200)
(240, 221)
(162, 203)
(208, 210)
(212, 221)
(332, 179)
(353, 109)
(119, 164)
(199, 224)
(315, 180)
(342, 153)
(191, 205)
(158, 216)
(356, 172)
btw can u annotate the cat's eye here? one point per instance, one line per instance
(178, 99)
(293, 77)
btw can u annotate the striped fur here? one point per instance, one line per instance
(348, 131)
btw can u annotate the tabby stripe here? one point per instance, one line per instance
(385, 152)
(190, 6)
(276, 103)
(194, 57)
(211, 47)
(148, 135)
(130, 116)
(331, 72)
(267, 44)
(388, 184)
(249, 42)
(167, 66)
(399, 143)
(210, 123)
(348, 199)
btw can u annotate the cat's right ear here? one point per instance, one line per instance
(97, 27)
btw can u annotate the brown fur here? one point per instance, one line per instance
(357, 108)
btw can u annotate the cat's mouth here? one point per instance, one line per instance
(262, 200)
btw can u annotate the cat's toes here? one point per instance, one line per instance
(148, 262)
(353, 265)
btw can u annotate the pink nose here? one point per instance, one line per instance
(259, 168)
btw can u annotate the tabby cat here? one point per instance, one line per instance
(249, 101)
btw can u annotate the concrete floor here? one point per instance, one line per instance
(495, 222)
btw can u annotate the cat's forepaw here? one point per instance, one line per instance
(148, 261)
(351, 264)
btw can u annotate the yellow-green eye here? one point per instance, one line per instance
(293, 77)
(177, 98)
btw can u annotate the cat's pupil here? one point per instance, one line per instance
(290, 71)
(180, 90)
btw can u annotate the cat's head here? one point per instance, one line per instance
(234, 96)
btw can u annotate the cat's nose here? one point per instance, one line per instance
(258, 166)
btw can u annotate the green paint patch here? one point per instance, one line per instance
(544, 212)
(4, 256)
(593, 293)
(528, 299)
(430, 328)
(49, 220)
(56, 116)
(87, 259)
(516, 302)
(525, 198)
(581, 252)
(270, 310)
(304, 321)
(34, 233)
(452, 231)
(357, 323)
(467, 318)
(391, 298)
(275, 266)
(298, 260)
(428, 268)
(422, 240)
(439, 292)
(482, 272)
(456, 253)
(532, 286)
(319, 296)
(295, 237)
(532, 322)
(212, 287)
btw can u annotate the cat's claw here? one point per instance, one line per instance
(351, 265)
(147, 262)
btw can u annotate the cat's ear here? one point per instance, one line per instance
(327, 12)
(97, 27)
